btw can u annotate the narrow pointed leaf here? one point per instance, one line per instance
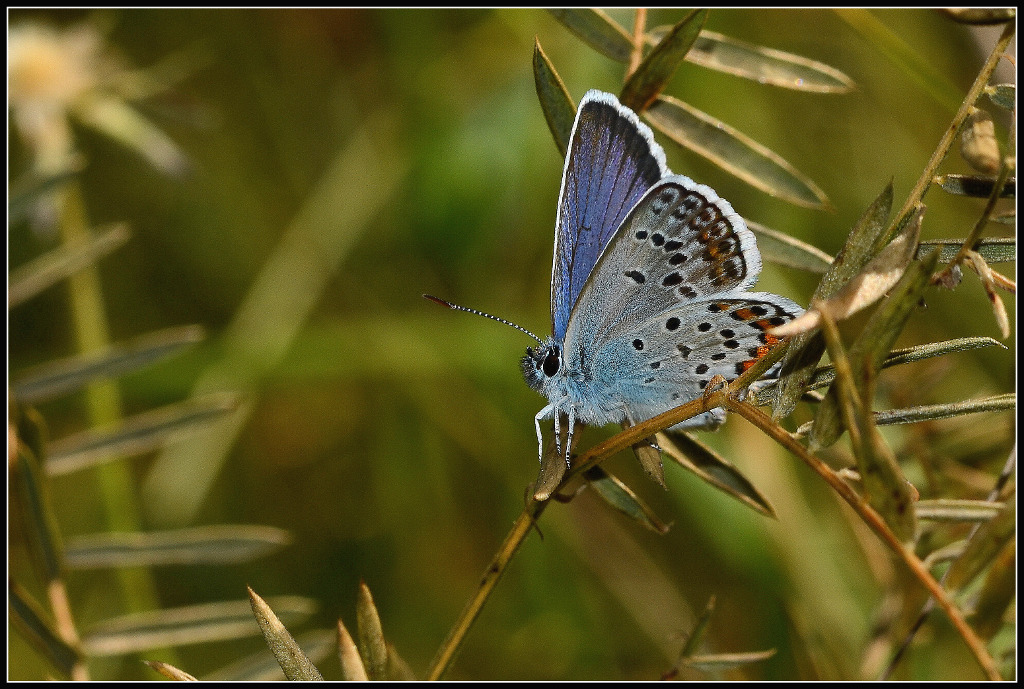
(997, 593)
(619, 496)
(558, 106)
(138, 434)
(713, 469)
(1003, 95)
(35, 276)
(597, 30)
(950, 510)
(552, 470)
(170, 672)
(805, 350)
(649, 458)
(779, 247)
(398, 669)
(763, 65)
(31, 498)
(372, 647)
(873, 344)
(118, 120)
(884, 486)
(262, 666)
(932, 412)
(865, 288)
(993, 250)
(824, 375)
(734, 152)
(294, 663)
(191, 624)
(30, 620)
(62, 376)
(29, 189)
(727, 661)
(700, 629)
(352, 668)
(984, 545)
(213, 544)
(655, 70)
(976, 186)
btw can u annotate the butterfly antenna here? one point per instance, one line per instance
(450, 305)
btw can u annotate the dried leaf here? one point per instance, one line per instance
(727, 661)
(714, 470)
(864, 289)
(372, 647)
(35, 276)
(262, 666)
(997, 593)
(137, 434)
(655, 70)
(619, 496)
(192, 624)
(294, 663)
(170, 672)
(352, 668)
(552, 470)
(978, 144)
(211, 544)
(558, 106)
(980, 15)
(734, 152)
(62, 376)
(398, 669)
(780, 248)
(118, 120)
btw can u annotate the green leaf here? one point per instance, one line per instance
(558, 106)
(62, 376)
(763, 65)
(192, 624)
(122, 123)
(398, 669)
(711, 468)
(983, 546)
(597, 30)
(30, 493)
(976, 186)
(873, 344)
(30, 279)
(30, 620)
(1003, 95)
(932, 412)
(727, 661)
(950, 510)
(212, 544)
(29, 189)
(138, 434)
(734, 152)
(805, 350)
(696, 638)
(372, 647)
(619, 496)
(779, 247)
(993, 250)
(294, 663)
(655, 70)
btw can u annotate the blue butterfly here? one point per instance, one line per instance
(649, 284)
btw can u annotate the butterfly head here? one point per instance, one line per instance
(541, 364)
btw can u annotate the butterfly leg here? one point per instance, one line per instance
(543, 414)
(568, 435)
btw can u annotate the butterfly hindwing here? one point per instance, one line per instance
(612, 161)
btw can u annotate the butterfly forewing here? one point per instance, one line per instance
(612, 161)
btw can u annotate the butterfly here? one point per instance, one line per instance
(649, 284)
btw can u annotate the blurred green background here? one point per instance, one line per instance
(343, 162)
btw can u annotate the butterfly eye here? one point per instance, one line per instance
(552, 362)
